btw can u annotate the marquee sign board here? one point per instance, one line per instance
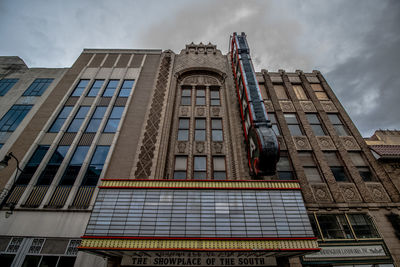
(187, 258)
(348, 252)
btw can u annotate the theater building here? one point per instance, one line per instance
(141, 158)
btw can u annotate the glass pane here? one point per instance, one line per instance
(111, 126)
(75, 125)
(317, 129)
(183, 123)
(334, 119)
(322, 95)
(100, 155)
(200, 123)
(180, 163)
(217, 135)
(362, 226)
(312, 119)
(199, 135)
(59, 155)
(214, 94)
(283, 164)
(285, 175)
(6, 259)
(99, 112)
(276, 129)
(117, 112)
(200, 101)
(272, 118)
(334, 226)
(199, 175)
(219, 163)
(183, 135)
(186, 92)
(180, 175)
(93, 126)
(200, 163)
(357, 159)
(219, 175)
(339, 174)
(280, 92)
(298, 89)
(66, 261)
(312, 174)
(295, 130)
(215, 102)
(200, 92)
(31, 261)
(49, 261)
(83, 110)
(306, 159)
(290, 118)
(185, 101)
(65, 112)
(365, 174)
(216, 124)
(332, 159)
(79, 155)
(340, 130)
(316, 87)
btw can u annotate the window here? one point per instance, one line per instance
(183, 130)
(272, 118)
(95, 121)
(38, 87)
(94, 91)
(110, 89)
(78, 120)
(126, 88)
(362, 166)
(334, 226)
(336, 167)
(342, 226)
(200, 167)
(113, 120)
(338, 125)
(52, 166)
(200, 96)
(362, 226)
(180, 167)
(319, 91)
(13, 117)
(32, 165)
(219, 168)
(6, 84)
(75, 164)
(96, 166)
(280, 91)
(61, 118)
(301, 95)
(216, 130)
(310, 168)
(293, 124)
(284, 168)
(186, 96)
(215, 97)
(80, 87)
(315, 124)
(200, 130)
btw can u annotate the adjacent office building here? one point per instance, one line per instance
(138, 158)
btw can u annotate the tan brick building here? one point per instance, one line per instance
(164, 132)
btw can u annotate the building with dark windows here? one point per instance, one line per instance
(147, 158)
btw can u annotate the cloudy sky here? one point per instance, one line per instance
(355, 44)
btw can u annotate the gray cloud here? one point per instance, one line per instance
(354, 43)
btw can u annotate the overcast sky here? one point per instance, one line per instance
(355, 44)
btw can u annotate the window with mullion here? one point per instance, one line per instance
(186, 98)
(180, 169)
(61, 118)
(80, 87)
(95, 121)
(75, 164)
(338, 125)
(200, 130)
(96, 166)
(110, 89)
(200, 96)
(6, 85)
(299, 91)
(32, 165)
(216, 130)
(319, 91)
(293, 124)
(113, 120)
(315, 124)
(13, 117)
(47, 175)
(38, 87)
(78, 119)
(215, 97)
(94, 90)
(219, 168)
(199, 167)
(336, 167)
(126, 88)
(183, 129)
(274, 122)
(362, 166)
(284, 168)
(311, 170)
(334, 226)
(363, 226)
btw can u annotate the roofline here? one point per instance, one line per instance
(118, 51)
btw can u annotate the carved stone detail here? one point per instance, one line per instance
(143, 167)
(321, 193)
(184, 111)
(350, 193)
(181, 147)
(200, 112)
(308, 106)
(378, 192)
(325, 143)
(200, 79)
(328, 106)
(301, 143)
(287, 106)
(200, 147)
(349, 143)
(215, 111)
(268, 106)
(217, 147)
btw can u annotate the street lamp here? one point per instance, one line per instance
(4, 164)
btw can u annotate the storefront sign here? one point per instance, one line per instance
(348, 252)
(176, 258)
